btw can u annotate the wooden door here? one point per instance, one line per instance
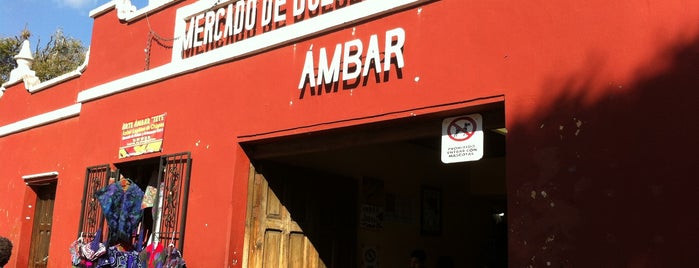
(301, 220)
(41, 233)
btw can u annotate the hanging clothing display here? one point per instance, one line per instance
(149, 197)
(156, 212)
(173, 257)
(153, 255)
(122, 209)
(123, 205)
(118, 258)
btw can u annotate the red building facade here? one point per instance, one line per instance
(308, 133)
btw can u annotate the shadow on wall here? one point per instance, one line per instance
(611, 183)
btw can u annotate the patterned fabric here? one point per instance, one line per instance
(92, 254)
(75, 251)
(122, 209)
(173, 258)
(149, 197)
(154, 255)
(116, 258)
(83, 255)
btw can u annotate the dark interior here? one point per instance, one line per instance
(394, 177)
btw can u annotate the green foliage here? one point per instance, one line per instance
(60, 55)
(9, 47)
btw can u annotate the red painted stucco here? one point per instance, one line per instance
(599, 99)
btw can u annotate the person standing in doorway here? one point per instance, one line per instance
(5, 250)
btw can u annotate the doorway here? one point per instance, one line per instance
(386, 185)
(43, 218)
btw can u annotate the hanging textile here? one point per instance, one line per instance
(149, 197)
(173, 257)
(95, 248)
(153, 255)
(117, 257)
(156, 210)
(122, 209)
(157, 256)
(75, 251)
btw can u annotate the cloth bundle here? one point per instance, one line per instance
(156, 256)
(122, 209)
(85, 255)
(117, 258)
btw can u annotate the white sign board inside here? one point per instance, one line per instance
(462, 138)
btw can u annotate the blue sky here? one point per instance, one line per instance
(43, 17)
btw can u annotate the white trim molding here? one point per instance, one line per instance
(42, 119)
(40, 178)
(40, 175)
(102, 9)
(54, 81)
(128, 12)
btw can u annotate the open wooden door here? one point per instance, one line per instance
(41, 232)
(300, 220)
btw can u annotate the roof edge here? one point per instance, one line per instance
(62, 78)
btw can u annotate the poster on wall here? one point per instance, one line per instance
(371, 217)
(142, 136)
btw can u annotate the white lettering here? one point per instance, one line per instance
(372, 53)
(250, 14)
(198, 29)
(189, 35)
(277, 11)
(267, 6)
(313, 5)
(299, 6)
(217, 32)
(325, 70)
(228, 29)
(307, 72)
(239, 17)
(394, 48)
(209, 27)
(354, 59)
(219, 23)
(328, 70)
